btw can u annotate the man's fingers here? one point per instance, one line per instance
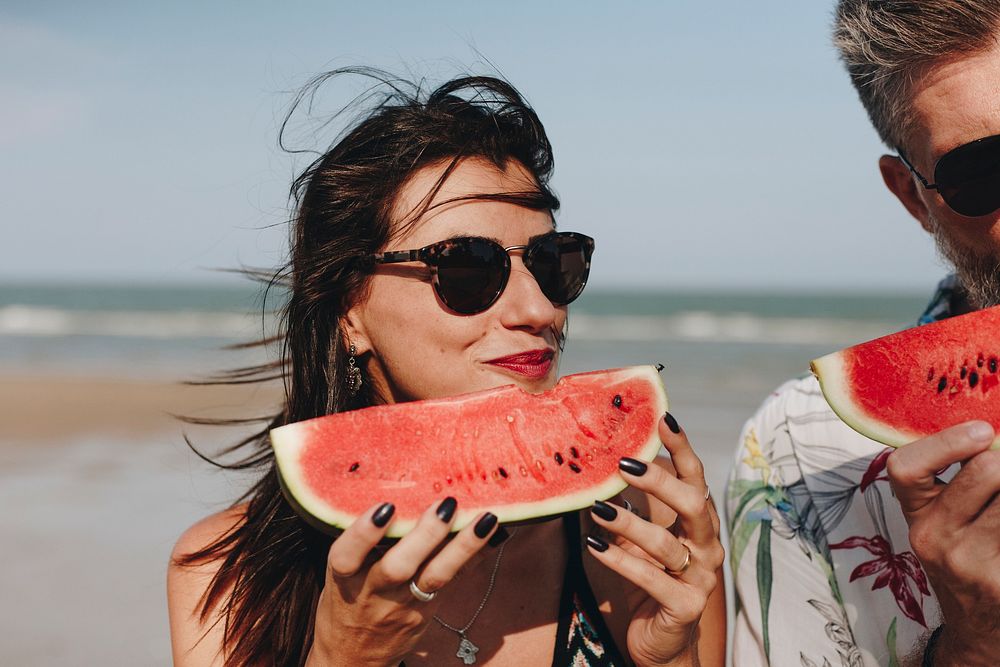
(973, 489)
(912, 468)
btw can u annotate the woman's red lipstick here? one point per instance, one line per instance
(533, 364)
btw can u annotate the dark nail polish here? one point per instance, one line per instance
(632, 467)
(499, 537)
(383, 514)
(446, 509)
(485, 525)
(671, 423)
(596, 543)
(604, 510)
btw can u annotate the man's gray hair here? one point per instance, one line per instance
(886, 45)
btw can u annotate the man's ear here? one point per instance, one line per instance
(901, 183)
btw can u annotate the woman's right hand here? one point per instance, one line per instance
(367, 614)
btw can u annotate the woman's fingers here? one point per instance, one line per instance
(420, 551)
(659, 543)
(685, 498)
(685, 602)
(445, 565)
(402, 561)
(674, 554)
(349, 551)
(689, 467)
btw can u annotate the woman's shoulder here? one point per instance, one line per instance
(196, 636)
(206, 532)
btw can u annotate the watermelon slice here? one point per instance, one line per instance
(911, 384)
(521, 456)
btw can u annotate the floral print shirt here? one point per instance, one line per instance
(823, 570)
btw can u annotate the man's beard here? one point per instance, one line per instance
(978, 274)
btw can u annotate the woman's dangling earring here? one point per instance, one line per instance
(353, 382)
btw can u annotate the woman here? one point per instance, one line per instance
(462, 173)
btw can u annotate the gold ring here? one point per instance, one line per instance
(419, 594)
(687, 562)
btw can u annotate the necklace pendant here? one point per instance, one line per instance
(467, 650)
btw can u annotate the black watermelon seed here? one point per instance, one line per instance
(503, 473)
(942, 383)
(973, 379)
(574, 467)
(574, 452)
(617, 401)
(559, 458)
(993, 364)
(354, 466)
(964, 372)
(980, 361)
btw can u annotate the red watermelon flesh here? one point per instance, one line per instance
(519, 455)
(911, 384)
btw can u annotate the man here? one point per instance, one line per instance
(845, 552)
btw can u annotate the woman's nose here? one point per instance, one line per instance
(523, 305)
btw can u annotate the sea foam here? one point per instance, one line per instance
(689, 325)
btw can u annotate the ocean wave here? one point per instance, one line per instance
(733, 327)
(19, 320)
(695, 326)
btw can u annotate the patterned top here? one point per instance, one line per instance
(822, 565)
(582, 639)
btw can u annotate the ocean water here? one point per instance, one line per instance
(152, 329)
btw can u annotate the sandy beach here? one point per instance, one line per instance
(97, 483)
(46, 408)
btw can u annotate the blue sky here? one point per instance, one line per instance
(713, 145)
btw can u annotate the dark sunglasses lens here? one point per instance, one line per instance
(471, 273)
(969, 177)
(560, 264)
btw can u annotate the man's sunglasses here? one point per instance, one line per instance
(967, 177)
(470, 273)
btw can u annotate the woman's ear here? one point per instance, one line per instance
(901, 183)
(353, 326)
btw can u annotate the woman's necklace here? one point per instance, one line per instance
(466, 649)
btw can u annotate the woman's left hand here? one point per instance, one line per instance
(675, 569)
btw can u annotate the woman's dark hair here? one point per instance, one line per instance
(272, 564)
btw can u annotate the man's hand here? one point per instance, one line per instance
(955, 533)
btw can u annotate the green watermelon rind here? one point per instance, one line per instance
(316, 511)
